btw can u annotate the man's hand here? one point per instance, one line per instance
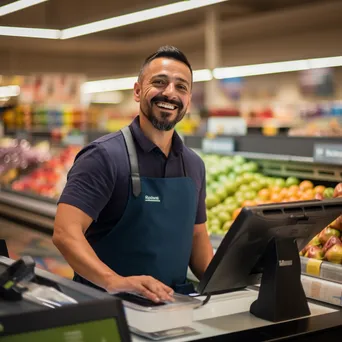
(147, 286)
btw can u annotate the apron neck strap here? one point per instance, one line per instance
(183, 164)
(133, 160)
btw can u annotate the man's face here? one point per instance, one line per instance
(164, 92)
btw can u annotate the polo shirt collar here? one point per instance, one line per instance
(147, 145)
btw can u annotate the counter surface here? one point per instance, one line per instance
(229, 314)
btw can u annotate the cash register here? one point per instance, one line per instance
(38, 306)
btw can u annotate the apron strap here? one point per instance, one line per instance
(133, 160)
(183, 164)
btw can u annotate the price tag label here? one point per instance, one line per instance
(221, 145)
(74, 139)
(313, 267)
(328, 153)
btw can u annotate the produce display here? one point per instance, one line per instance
(327, 245)
(49, 179)
(234, 182)
(18, 155)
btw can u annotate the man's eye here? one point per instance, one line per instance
(159, 82)
(182, 87)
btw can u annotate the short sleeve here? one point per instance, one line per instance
(90, 181)
(201, 216)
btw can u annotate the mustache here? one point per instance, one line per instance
(160, 98)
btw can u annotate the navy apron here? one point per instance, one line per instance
(154, 235)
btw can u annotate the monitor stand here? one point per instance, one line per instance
(281, 294)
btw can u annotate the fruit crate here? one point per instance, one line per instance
(321, 269)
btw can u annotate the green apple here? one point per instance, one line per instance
(232, 175)
(250, 195)
(250, 167)
(229, 208)
(227, 226)
(211, 200)
(243, 188)
(230, 187)
(229, 200)
(255, 185)
(328, 193)
(221, 193)
(280, 182)
(223, 216)
(248, 177)
(239, 160)
(238, 169)
(291, 181)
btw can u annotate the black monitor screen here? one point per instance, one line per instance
(263, 244)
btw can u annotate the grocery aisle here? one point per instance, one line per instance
(22, 240)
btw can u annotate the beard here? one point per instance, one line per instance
(163, 123)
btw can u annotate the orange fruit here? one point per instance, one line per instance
(259, 201)
(319, 189)
(275, 189)
(236, 213)
(264, 194)
(310, 193)
(306, 197)
(248, 203)
(306, 184)
(276, 197)
(293, 199)
(284, 192)
(294, 188)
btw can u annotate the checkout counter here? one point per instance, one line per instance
(98, 317)
(39, 306)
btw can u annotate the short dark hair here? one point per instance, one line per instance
(166, 51)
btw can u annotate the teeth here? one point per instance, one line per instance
(165, 105)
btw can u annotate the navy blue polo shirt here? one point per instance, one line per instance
(98, 182)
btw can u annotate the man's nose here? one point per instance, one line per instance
(169, 91)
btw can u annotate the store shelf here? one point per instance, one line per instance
(287, 148)
(30, 203)
(277, 156)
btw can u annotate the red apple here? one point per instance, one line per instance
(314, 242)
(337, 224)
(326, 233)
(333, 240)
(334, 254)
(314, 252)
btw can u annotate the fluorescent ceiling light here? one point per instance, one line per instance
(29, 32)
(202, 75)
(278, 67)
(128, 82)
(108, 85)
(101, 25)
(9, 91)
(18, 5)
(136, 17)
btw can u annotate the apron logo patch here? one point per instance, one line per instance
(152, 198)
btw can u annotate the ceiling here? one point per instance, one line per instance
(120, 51)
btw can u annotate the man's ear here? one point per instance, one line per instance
(137, 91)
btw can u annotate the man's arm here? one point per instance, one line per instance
(202, 250)
(69, 228)
(70, 225)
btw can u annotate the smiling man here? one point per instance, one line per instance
(132, 215)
